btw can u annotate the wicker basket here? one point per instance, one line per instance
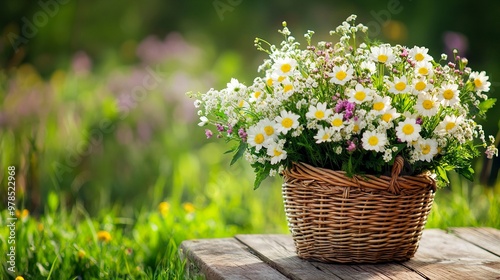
(364, 219)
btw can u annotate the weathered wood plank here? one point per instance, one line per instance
(445, 256)
(279, 252)
(225, 258)
(486, 238)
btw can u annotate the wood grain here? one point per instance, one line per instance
(486, 238)
(445, 256)
(225, 259)
(279, 252)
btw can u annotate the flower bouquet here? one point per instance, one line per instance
(354, 120)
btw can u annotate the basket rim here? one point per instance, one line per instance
(394, 184)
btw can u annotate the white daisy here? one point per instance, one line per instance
(235, 86)
(408, 130)
(480, 81)
(424, 68)
(381, 104)
(256, 137)
(390, 115)
(420, 85)
(268, 127)
(285, 66)
(418, 54)
(337, 121)
(449, 94)
(288, 87)
(360, 94)
(399, 85)
(427, 149)
(368, 65)
(203, 121)
(324, 135)
(276, 152)
(255, 95)
(382, 54)
(319, 112)
(427, 105)
(448, 125)
(287, 121)
(341, 74)
(374, 141)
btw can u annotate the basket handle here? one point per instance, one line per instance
(396, 171)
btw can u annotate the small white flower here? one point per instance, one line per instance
(235, 86)
(427, 149)
(204, 121)
(408, 130)
(427, 105)
(276, 152)
(256, 137)
(418, 54)
(341, 74)
(420, 85)
(319, 112)
(449, 94)
(381, 104)
(360, 94)
(382, 54)
(287, 121)
(374, 141)
(424, 68)
(480, 81)
(448, 125)
(368, 65)
(324, 135)
(399, 85)
(337, 121)
(285, 66)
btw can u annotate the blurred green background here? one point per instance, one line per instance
(94, 117)
(93, 105)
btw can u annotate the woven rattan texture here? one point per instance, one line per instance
(369, 219)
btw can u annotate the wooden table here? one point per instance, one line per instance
(460, 253)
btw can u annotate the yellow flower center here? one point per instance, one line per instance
(355, 128)
(281, 78)
(426, 149)
(259, 138)
(341, 75)
(287, 122)
(269, 82)
(360, 95)
(326, 136)
(400, 86)
(285, 68)
(478, 82)
(373, 140)
(287, 88)
(257, 94)
(419, 57)
(449, 126)
(448, 94)
(408, 129)
(420, 86)
(241, 103)
(423, 71)
(428, 104)
(337, 122)
(382, 58)
(387, 117)
(319, 114)
(277, 152)
(269, 130)
(379, 106)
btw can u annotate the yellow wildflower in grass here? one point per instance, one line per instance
(188, 207)
(103, 235)
(19, 278)
(164, 208)
(81, 254)
(22, 214)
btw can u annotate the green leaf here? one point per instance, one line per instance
(487, 104)
(442, 174)
(239, 153)
(260, 176)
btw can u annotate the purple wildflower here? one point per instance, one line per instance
(243, 135)
(419, 121)
(219, 127)
(208, 133)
